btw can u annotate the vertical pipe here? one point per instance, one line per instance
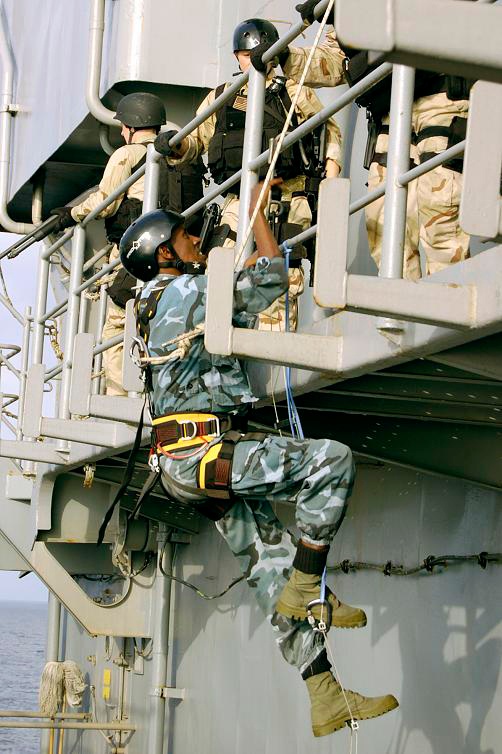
(162, 600)
(251, 149)
(82, 317)
(25, 353)
(37, 197)
(152, 173)
(72, 316)
(398, 160)
(51, 651)
(96, 32)
(98, 359)
(40, 308)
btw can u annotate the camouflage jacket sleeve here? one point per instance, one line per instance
(308, 105)
(182, 306)
(117, 170)
(198, 140)
(327, 67)
(257, 287)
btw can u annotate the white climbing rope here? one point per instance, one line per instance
(283, 134)
(353, 724)
(60, 681)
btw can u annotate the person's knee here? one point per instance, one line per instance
(341, 455)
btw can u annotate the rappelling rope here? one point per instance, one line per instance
(187, 337)
(323, 629)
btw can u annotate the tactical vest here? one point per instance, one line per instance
(226, 147)
(377, 99)
(179, 188)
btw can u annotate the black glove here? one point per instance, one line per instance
(258, 52)
(65, 219)
(306, 11)
(161, 143)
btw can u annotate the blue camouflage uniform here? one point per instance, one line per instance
(314, 475)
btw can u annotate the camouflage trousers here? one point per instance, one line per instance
(314, 475)
(274, 318)
(433, 199)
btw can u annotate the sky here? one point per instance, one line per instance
(20, 277)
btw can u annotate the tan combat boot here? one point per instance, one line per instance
(303, 588)
(330, 711)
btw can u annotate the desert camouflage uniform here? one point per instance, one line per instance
(314, 475)
(198, 143)
(433, 199)
(118, 169)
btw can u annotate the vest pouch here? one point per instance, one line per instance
(232, 151)
(215, 157)
(117, 224)
(121, 290)
(458, 88)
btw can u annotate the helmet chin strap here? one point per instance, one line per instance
(186, 268)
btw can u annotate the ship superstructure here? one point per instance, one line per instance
(408, 374)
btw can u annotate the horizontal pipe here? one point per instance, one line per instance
(97, 256)
(114, 195)
(33, 713)
(68, 726)
(9, 366)
(97, 349)
(317, 120)
(101, 273)
(54, 312)
(57, 244)
(431, 163)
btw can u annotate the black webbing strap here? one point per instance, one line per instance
(148, 486)
(381, 159)
(457, 164)
(430, 131)
(126, 479)
(146, 308)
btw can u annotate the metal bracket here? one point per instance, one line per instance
(31, 421)
(131, 374)
(481, 205)
(81, 374)
(168, 692)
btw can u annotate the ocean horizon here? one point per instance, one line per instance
(22, 658)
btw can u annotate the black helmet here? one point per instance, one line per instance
(141, 110)
(253, 32)
(139, 244)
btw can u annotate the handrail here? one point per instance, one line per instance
(73, 304)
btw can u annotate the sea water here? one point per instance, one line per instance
(22, 653)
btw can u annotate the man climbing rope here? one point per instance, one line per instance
(199, 403)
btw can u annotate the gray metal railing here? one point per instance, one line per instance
(395, 187)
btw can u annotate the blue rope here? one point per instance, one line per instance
(293, 415)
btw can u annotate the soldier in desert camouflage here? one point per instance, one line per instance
(440, 110)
